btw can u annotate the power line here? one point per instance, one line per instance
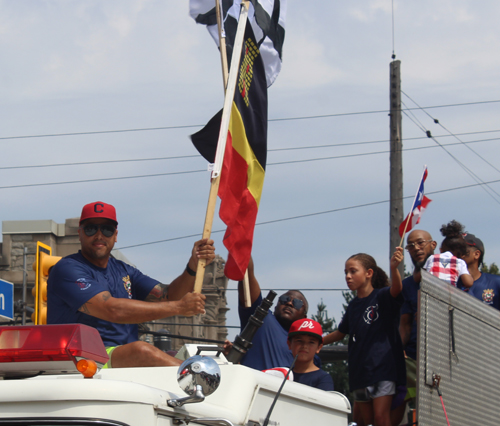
(101, 180)
(84, 163)
(336, 157)
(309, 214)
(486, 188)
(311, 117)
(101, 132)
(436, 121)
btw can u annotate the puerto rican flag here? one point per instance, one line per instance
(419, 205)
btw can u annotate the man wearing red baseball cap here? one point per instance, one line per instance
(305, 340)
(91, 287)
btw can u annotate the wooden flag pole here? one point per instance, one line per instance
(221, 144)
(406, 226)
(222, 45)
(223, 56)
(412, 207)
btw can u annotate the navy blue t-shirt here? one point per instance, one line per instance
(269, 345)
(73, 281)
(375, 348)
(317, 379)
(410, 306)
(487, 289)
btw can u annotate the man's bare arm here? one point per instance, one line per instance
(129, 311)
(158, 294)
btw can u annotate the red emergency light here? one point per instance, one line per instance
(50, 349)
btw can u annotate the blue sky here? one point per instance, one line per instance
(102, 66)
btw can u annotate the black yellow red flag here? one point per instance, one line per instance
(243, 168)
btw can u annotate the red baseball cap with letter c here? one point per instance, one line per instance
(306, 326)
(98, 209)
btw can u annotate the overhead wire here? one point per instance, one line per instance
(39, 184)
(490, 191)
(438, 122)
(309, 117)
(100, 179)
(407, 111)
(474, 176)
(177, 157)
(309, 214)
(204, 170)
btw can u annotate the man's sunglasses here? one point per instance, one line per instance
(91, 229)
(297, 303)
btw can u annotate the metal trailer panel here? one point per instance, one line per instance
(459, 340)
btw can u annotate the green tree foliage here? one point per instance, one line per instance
(492, 269)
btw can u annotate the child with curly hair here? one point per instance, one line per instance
(449, 265)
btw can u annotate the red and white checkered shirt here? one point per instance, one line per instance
(446, 267)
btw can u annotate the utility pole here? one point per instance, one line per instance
(396, 159)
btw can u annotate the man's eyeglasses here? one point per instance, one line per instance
(91, 229)
(297, 303)
(417, 245)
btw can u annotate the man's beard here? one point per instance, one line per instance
(420, 265)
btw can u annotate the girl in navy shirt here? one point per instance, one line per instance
(376, 359)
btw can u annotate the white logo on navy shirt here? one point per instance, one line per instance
(83, 284)
(371, 314)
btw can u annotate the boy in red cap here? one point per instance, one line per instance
(305, 339)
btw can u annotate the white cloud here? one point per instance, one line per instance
(306, 65)
(368, 13)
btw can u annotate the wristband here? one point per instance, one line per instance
(190, 271)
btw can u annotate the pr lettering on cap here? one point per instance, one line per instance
(306, 325)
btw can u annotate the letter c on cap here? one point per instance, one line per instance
(99, 211)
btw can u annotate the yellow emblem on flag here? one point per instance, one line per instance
(246, 69)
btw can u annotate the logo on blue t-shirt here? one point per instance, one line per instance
(128, 285)
(83, 284)
(371, 314)
(488, 295)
